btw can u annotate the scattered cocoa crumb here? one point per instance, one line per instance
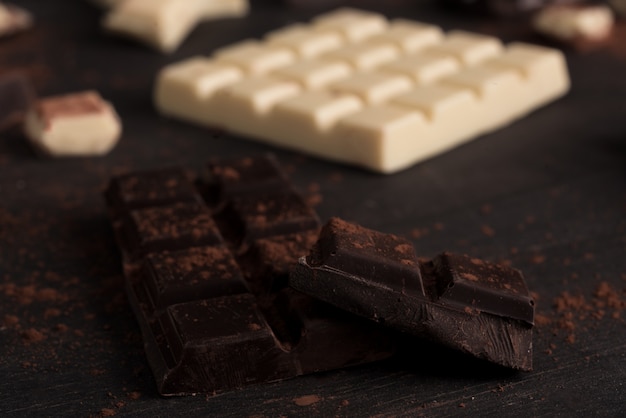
(314, 199)
(134, 395)
(417, 233)
(542, 320)
(486, 209)
(487, 230)
(500, 388)
(107, 412)
(307, 400)
(461, 405)
(51, 312)
(32, 335)
(61, 328)
(10, 321)
(538, 259)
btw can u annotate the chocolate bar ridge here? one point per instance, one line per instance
(206, 264)
(467, 304)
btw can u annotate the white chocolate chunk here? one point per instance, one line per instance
(255, 58)
(440, 103)
(410, 37)
(423, 68)
(495, 88)
(313, 75)
(380, 136)
(571, 23)
(373, 88)
(364, 57)
(355, 25)
(453, 113)
(164, 24)
(534, 63)
(244, 106)
(384, 100)
(184, 89)
(79, 124)
(306, 43)
(309, 118)
(469, 48)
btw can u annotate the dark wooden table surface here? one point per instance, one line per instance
(547, 194)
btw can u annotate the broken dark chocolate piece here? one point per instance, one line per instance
(464, 303)
(151, 188)
(208, 281)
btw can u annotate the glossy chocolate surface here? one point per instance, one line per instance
(464, 303)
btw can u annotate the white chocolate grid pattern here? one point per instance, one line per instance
(355, 88)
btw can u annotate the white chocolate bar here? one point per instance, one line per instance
(569, 23)
(78, 124)
(355, 88)
(164, 24)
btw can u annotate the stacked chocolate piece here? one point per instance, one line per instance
(206, 264)
(215, 268)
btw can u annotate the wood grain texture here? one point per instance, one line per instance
(547, 194)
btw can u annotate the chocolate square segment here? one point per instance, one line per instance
(192, 274)
(245, 176)
(151, 188)
(171, 228)
(369, 254)
(269, 260)
(211, 337)
(277, 214)
(477, 284)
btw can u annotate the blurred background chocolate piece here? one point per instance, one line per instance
(581, 27)
(505, 8)
(16, 97)
(619, 6)
(13, 19)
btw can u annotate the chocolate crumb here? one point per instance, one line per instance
(307, 400)
(32, 335)
(134, 395)
(538, 259)
(487, 230)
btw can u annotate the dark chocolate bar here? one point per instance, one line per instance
(206, 262)
(464, 303)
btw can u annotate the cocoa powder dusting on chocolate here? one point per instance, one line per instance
(69, 105)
